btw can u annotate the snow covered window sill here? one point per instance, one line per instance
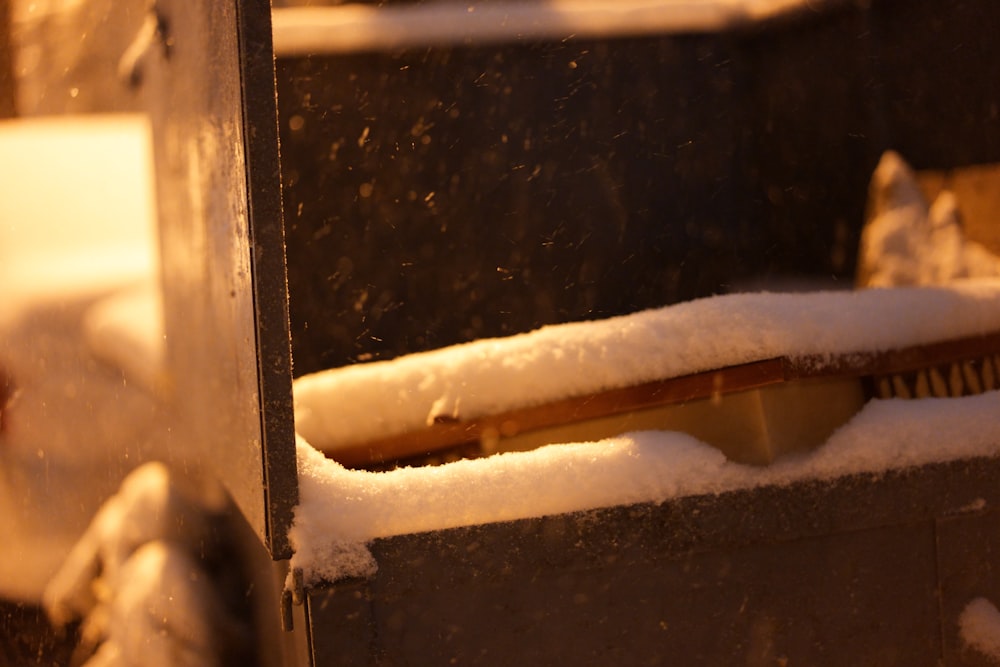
(342, 509)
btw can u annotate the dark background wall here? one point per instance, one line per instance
(438, 195)
(7, 100)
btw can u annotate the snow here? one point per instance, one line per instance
(137, 579)
(909, 242)
(147, 507)
(356, 26)
(164, 614)
(979, 627)
(341, 509)
(495, 375)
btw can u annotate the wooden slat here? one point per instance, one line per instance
(446, 434)
(449, 433)
(903, 360)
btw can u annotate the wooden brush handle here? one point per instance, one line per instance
(891, 366)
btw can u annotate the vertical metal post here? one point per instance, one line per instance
(209, 75)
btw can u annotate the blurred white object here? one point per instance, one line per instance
(137, 580)
(76, 224)
(126, 331)
(979, 627)
(77, 212)
(907, 242)
(147, 507)
(163, 613)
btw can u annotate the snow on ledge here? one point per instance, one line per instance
(299, 31)
(351, 405)
(340, 510)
